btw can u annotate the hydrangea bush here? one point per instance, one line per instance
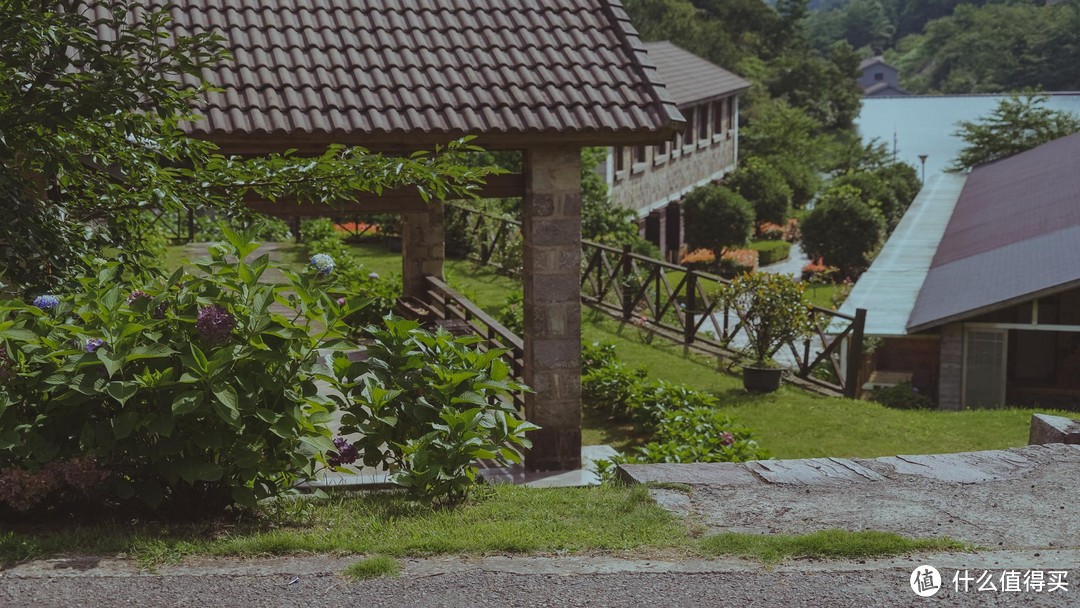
(186, 393)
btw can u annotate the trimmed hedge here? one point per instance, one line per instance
(770, 252)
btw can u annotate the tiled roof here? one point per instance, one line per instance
(1014, 235)
(689, 78)
(428, 67)
(865, 63)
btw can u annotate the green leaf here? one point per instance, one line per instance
(227, 404)
(187, 402)
(201, 364)
(149, 351)
(243, 496)
(113, 362)
(122, 391)
(124, 423)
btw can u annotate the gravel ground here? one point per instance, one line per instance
(519, 581)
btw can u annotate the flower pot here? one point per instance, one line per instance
(761, 379)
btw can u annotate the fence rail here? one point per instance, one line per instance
(681, 305)
(448, 304)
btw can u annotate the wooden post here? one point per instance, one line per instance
(627, 272)
(691, 304)
(854, 355)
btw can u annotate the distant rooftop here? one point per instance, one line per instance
(889, 288)
(1014, 235)
(865, 63)
(690, 79)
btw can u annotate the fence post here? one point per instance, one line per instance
(854, 355)
(627, 293)
(691, 304)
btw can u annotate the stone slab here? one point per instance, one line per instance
(711, 473)
(1053, 429)
(810, 471)
(967, 467)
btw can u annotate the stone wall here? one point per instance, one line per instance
(951, 376)
(653, 184)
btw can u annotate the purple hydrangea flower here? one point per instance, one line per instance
(346, 453)
(373, 275)
(46, 302)
(137, 295)
(341, 301)
(214, 323)
(93, 344)
(726, 438)
(322, 263)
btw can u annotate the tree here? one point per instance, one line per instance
(842, 230)
(716, 218)
(1018, 123)
(90, 143)
(765, 188)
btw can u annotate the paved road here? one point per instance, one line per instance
(503, 581)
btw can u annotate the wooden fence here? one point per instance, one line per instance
(681, 305)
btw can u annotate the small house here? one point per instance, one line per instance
(879, 79)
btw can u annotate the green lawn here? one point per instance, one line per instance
(822, 295)
(791, 423)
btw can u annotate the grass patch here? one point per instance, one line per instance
(502, 519)
(824, 295)
(833, 544)
(376, 566)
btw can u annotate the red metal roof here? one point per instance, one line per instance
(1014, 235)
(689, 78)
(326, 67)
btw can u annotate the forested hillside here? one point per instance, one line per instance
(948, 46)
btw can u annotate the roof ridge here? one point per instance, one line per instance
(645, 68)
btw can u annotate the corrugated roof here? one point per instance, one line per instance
(324, 67)
(865, 63)
(889, 288)
(689, 78)
(1014, 235)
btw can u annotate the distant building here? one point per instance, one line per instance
(976, 295)
(651, 179)
(879, 79)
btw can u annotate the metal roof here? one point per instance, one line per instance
(690, 79)
(326, 67)
(889, 288)
(1014, 235)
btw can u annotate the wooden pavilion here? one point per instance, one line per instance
(545, 78)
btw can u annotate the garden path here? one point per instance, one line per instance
(793, 265)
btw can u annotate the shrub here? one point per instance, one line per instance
(770, 252)
(262, 227)
(187, 393)
(317, 229)
(717, 218)
(770, 232)
(765, 188)
(736, 262)
(352, 277)
(427, 406)
(842, 230)
(611, 387)
(512, 314)
(773, 310)
(903, 396)
(699, 434)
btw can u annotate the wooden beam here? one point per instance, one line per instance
(399, 200)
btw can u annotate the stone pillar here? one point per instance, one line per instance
(951, 378)
(423, 248)
(551, 278)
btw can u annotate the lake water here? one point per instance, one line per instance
(925, 125)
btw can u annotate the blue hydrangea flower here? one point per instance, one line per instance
(46, 302)
(373, 275)
(322, 263)
(93, 344)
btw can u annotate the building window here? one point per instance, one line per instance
(639, 154)
(879, 76)
(703, 123)
(688, 132)
(729, 114)
(719, 120)
(620, 164)
(660, 149)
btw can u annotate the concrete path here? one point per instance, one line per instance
(1011, 499)
(527, 581)
(793, 265)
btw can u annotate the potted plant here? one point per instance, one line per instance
(774, 312)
